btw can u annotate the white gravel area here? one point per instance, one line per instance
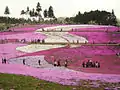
(33, 62)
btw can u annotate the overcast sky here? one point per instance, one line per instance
(61, 8)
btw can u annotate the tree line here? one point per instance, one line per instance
(94, 17)
(35, 12)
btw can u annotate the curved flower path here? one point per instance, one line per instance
(46, 71)
(52, 37)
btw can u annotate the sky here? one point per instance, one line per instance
(62, 8)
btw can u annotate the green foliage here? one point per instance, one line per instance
(97, 17)
(45, 13)
(36, 13)
(22, 12)
(38, 7)
(7, 10)
(9, 20)
(51, 12)
(118, 22)
(28, 9)
(19, 82)
(32, 13)
(69, 20)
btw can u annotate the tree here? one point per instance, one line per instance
(22, 12)
(33, 12)
(30, 13)
(67, 19)
(51, 12)
(38, 9)
(112, 11)
(27, 12)
(28, 9)
(45, 13)
(7, 10)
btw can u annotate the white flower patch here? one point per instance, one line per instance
(71, 38)
(55, 40)
(55, 37)
(63, 37)
(37, 47)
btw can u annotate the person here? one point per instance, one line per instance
(61, 29)
(93, 64)
(87, 64)
(23, 61)
(118, 54)
(55, 63)
(39, 62)
(85, 42)
(5, 60)
(42, 29)
(66, 63)
(90, 63)
(58, 63)
(43, 41)
(83, 64)
(23, 41)
(96, 64)
(38, 40)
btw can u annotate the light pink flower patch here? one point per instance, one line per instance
(64, 77)
(27, 36)
(9, 51)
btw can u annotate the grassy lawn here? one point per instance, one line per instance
(19, 82)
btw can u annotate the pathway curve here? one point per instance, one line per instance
(53, 37)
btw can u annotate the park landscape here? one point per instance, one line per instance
(15, 52)
(79, 39)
